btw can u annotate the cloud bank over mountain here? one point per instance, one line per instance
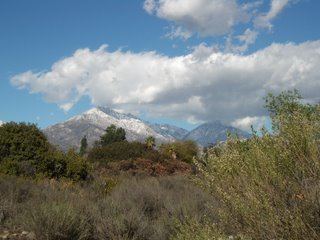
(202, 85)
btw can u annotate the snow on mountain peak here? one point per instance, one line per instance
(93, 123)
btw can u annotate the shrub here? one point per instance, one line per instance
(193, 230)
(120, 151)
(182, 150)
(148, 208)
(268, 186)
(22, 142)
(147, 167)
(136, 208)
(51, 221)
(25, 151)
(56, 164)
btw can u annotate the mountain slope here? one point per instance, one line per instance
(93, 124)
(210, 133)
(168, 130)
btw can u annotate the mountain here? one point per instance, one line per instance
(212, 132)
(93, 124)
(168, 130)
(1, 122)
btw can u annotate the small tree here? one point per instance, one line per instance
(112, 135)
(150, 142)
(84, 145)
(22, 142)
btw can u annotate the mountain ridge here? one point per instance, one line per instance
(93, 123)
(212, 132)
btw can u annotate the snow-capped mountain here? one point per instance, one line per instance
(1, 122)
(168, 130)
(93, 124)
(213, 132)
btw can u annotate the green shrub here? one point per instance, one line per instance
(22, 142)
(181, 150)
(25, 151)
(268, 186)
(121, 151)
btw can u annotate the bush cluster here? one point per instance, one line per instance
(144, 208)
(25, 151)
(121, 151)
(267, 187)
(182, 150)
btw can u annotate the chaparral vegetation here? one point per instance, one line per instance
(264, 187)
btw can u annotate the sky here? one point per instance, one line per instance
(182, 62)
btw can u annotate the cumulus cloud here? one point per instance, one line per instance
(202, 85)
(246, 123)
(276, 7)
(205, 17)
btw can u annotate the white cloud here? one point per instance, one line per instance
(276, 7)
(149, 6)
(246, 123)
(200, 86)
(245, 40)
(205, 17)
(248, 36)
(1, 122)
(179, 32)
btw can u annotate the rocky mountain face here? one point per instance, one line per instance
(210, 133)
(93, 124)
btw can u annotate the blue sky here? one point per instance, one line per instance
(35, 34)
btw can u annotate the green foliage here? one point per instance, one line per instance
(22, 142)
(83, 146)
(112, 135)
(57, 164)
(25, 151)
(182, 150)
(120, 151)
(77, 168)
(150, 142)
(268, 186)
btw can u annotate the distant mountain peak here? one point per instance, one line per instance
(212, 132)
(93, 123)
(169, 130)
(116, 114)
